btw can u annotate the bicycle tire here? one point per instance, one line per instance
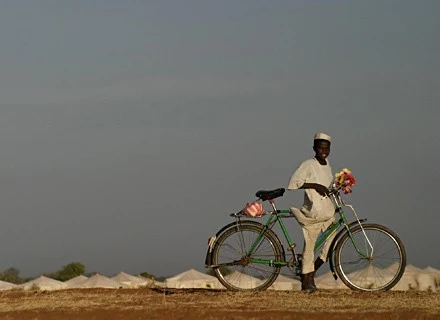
(380, 271)
(231, 247)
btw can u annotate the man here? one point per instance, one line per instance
(318, 211)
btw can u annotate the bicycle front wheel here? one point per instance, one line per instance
(237, 268)
(371, 258)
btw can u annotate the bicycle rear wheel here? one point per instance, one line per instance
(370, 268)
(236, 269)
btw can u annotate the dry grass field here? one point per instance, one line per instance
(131, 304)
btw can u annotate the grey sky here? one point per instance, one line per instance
(130, 130)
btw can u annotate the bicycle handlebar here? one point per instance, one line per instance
(331, 192)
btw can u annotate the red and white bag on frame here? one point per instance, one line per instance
(254, 209)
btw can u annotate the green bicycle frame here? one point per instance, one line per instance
(279, 215)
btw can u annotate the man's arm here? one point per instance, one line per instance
(322, 190)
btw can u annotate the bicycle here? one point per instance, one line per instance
(247, 255)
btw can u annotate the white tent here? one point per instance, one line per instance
(6, 285)
(76, 280)
(426, 282)
(435, 273)
(285, 283)
(43, 283)
(131, 281)
(97, 281)
(243, 280)
(193, 279)
(373, 277)
(431, 270)
(327, 281)
(409, 279)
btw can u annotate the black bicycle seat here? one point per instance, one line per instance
(270, 194)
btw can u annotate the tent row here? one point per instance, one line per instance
(121, 280)
(414, 278)
(427, 279)
(196, 279)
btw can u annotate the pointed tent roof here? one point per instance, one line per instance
(6, 285)
(192, 279)
(431, 270)
(75, 280)
(97, 281)
(130, 280)
(410, 269)
(43, 283)
(191, 274)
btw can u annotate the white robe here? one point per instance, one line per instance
(315, 208)
(317, 213)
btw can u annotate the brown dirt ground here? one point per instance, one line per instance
(133, 304)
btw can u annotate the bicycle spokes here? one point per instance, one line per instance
(236, 268)
(361, 267)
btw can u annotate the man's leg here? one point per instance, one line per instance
(324, 252)
(327, 244)
(310, 235)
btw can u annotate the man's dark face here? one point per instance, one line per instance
(322, 149)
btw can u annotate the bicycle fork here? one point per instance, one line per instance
(367, 255)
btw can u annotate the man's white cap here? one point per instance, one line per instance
(322, 136)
